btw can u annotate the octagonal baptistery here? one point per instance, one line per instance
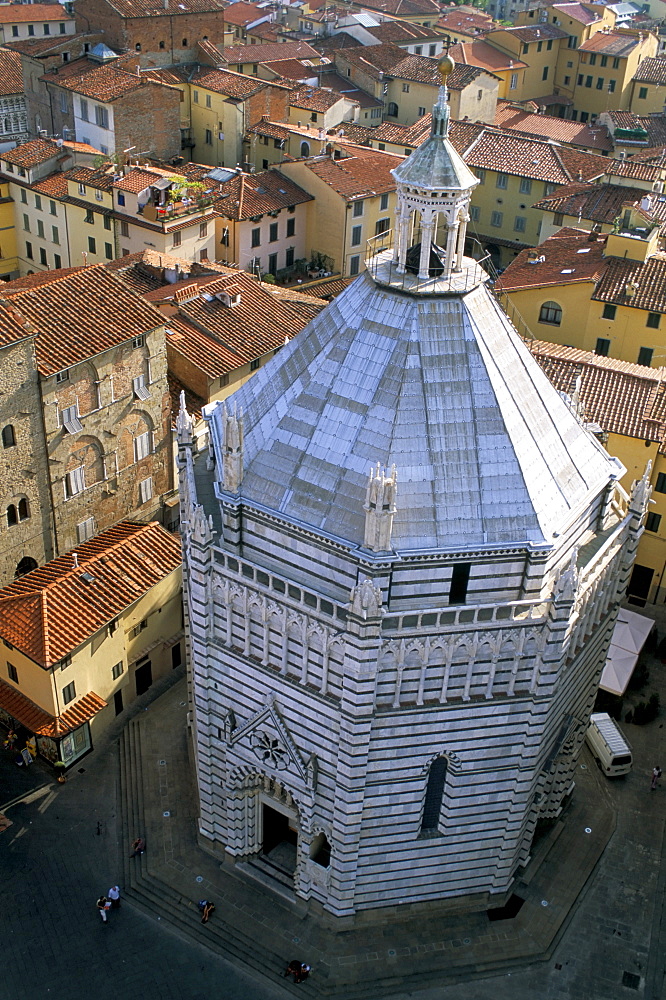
(403, 556)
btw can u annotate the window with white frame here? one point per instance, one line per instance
(85, 529)
(69, 419)
(142, 446)
(146, 490)
(140, 388)
(75, 482)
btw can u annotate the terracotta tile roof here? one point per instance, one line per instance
(651, 71)
(402, 31)
(577, 12)
(326, 289)
(518, 119)
(636, 170)
(100, 178)
(654, 125)
(622, 398)
(598, 202)
(102, 83)
(40, 722)
(610, 43)
(242, 13)
(387, 57)
(32, 153)
(332, 43)
(649, 277)
(272, 129)
(144, 271)
(306, 306)
(78, 313)
(139, 179)
(353, 132)
(343, 85)
(465, 22)
(504, 151)
(51, 611)
(313, 99)
(561, 264)
(217, 338)
(405, 135)
(54, 186)
(16, 13)
(532, 32)
(155, 8)
(171, 77)
(288, 71)
(485, 56)
(40, 46)
(11, 79)
(655, 155)
(248, 195)
(267, 30)
(357, 176)
(270, 52)
(223, 81)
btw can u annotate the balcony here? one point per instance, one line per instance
(174, 210)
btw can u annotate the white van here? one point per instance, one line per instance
(609, 747)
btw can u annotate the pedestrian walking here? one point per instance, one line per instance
(207, 908)
(138, 846)
(114, 895)
(299, 970)
(656, 775)
(103, 905)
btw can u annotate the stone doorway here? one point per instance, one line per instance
(279, 839)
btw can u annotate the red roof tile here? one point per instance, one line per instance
(166, 9)
(78, 313)
(611, 43)
(622, 398)
(222, 81)
(102, 83)
(577, 12)
(357, 177)
(242, 13)
(485, 56)
(11, 78)
(51, 611)
(651, 71)
(248, 195)
(15, 13)
(270, 52)
(556, 261)
(32, 153)
(549, 127)
(41, 723)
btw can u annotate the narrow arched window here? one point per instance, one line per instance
(551, 313)
(392, 111)
(433, 796)
(8, 436)
(320, 851)
(23, 510)
(12, 516)
(305, 149)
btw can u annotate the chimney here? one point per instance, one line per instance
(75, 557)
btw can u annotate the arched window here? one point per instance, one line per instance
(320, 851)
(161, 45)
(137, 47)
(551, 313)
(185, 41)
(23, 510)
(26, 565)
(8, 436)
(392, 110)
(305, 149)
(12, 515)
(433, 795)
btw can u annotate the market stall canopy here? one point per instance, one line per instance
(629, 635)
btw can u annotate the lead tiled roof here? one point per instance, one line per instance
(78, 313)
(356, 177)
(37, 720)
(50, 612)
(486, 451)
(621, 397)
(11, 78)
(248, 195)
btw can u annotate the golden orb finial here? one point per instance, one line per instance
(445, 66)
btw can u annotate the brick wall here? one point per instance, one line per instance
(41, 104)
(23, 465)
(164, 38)
(149, 118)
(271, 101)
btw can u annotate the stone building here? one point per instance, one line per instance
(87, 431)
(403, 558)
(13, 114)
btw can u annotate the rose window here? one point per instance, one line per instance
(269, 750)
